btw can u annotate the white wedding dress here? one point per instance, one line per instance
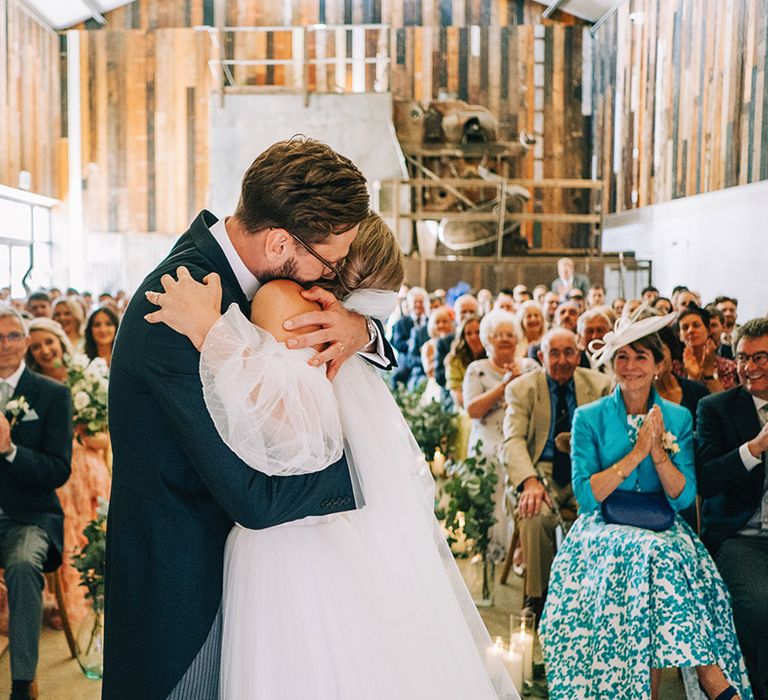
(363, 605)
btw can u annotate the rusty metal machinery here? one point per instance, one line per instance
(450, 140)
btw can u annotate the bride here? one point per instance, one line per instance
(366, 604)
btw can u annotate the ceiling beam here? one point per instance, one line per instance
(553, 7)
(95, 12)
(593, 29)
(35, 15)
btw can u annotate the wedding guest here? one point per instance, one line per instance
(549, 307)
(591, 327)
(684, 299)
(505, 302)
(629, 308)
(484, 301)
(483, 391)
(568, 279)
(464, 307)
(672, 388)
(466, 348)
(440, 325)
(520, 293)
(595, 296)
(69, 314)
(618, 306)
(731, 460)
(700, 361)
(54, 293)
(531, 320)
(729, 308)
(717, 330)
(540, 406)
(100, 333)
(566, 316)
(539, 292)
(577, 296)
(50, 354)
(34, 460)
(417, 304)
(39, 304)
(649, 294)
(645, 599)
(662, 304)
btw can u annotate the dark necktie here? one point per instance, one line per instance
(561, 463)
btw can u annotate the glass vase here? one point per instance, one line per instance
(482, 580)
(90, 643)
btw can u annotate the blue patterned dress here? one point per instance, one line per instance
(623, 600)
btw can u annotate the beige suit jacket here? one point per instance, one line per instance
(529, 414)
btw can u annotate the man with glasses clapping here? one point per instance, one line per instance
(731, 465)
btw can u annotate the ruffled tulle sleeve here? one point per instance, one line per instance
(273, 410)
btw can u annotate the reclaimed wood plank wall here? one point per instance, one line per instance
(30, 109)
(480, 50)
(680, 99)
(144, 97)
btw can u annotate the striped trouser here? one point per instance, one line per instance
(201, 680)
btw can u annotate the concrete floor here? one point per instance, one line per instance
(60, 678)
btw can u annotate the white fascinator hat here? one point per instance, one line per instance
(627, 331)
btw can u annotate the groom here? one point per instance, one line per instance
(177, 489)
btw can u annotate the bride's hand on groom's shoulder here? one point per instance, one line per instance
(342, 332)
(189, 307)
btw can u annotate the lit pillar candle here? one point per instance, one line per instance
(524, 640)
(438, 463)
(514, 661)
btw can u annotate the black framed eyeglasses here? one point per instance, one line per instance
(759, 358)
(335, 269)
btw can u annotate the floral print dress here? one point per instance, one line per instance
(623, 600)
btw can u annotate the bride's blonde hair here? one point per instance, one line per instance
(374, 261)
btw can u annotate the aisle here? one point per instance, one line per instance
(60, 678)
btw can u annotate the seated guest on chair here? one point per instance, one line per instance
(35, 451)
(630, 593)
(540, 406)
(731, 464)
(417, 301)
(483, 389)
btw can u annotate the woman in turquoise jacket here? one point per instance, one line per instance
(625, 601)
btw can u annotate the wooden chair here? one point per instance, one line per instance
(54, 583)
(53, 579)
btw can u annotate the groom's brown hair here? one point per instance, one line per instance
(305, 187)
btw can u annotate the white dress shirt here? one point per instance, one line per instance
(758, 523)
(13, 380)
(250, 285)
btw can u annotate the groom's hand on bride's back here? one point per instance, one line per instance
(342, 332)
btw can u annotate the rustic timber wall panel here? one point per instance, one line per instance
(30, 123)
(680, 99)
(151, 14)
(145, 102)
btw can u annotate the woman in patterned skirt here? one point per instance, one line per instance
(625, 601)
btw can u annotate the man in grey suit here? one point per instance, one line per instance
(35, 453)
(567, 279)
(540, 406)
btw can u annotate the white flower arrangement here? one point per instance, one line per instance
(17, 408)
(669, 443)
(88, 382)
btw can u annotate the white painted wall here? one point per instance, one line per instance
(715, 243)
(358, 126)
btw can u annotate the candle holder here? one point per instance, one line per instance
(522, 628)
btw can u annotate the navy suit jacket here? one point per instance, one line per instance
(177, 489)
(42, 462)
(730, 493)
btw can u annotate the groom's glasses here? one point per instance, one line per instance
(335, 269)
